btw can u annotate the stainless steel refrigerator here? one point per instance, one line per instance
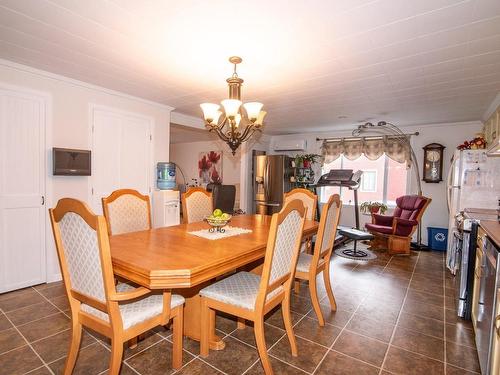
(272, 179)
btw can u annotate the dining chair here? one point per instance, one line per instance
(311, 265)
(250, 296)
(119, 312)
(127, 210)
(307, 197)
(310, 201)
(196, 205)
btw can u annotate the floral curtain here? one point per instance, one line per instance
(372, 148)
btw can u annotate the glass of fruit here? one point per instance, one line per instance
(218, 220)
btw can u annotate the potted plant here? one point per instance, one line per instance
(310, 159)
(299, 161)
(373, 207)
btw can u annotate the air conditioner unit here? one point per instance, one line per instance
(290, 145)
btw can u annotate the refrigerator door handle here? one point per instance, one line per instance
(266, 181)
(450, 185)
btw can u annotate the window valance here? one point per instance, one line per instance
(373, 148)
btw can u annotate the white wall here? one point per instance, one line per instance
(449, 135)
(68, 127)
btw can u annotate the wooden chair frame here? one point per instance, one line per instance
(309, 193)
(117, 194)
(393, 243)
(114, 328)
(186, 195)
(320, 261)
(262, 306)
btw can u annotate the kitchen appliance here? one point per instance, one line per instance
(464, 243)
(473, 182)
(166, 208)
(489, 284)
(272, 179)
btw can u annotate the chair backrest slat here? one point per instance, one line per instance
(127, 210)
(196, 205)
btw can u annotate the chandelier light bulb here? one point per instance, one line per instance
(237, 120)
(210, 112)
(253, 110)
(231, 107)
(260, 118)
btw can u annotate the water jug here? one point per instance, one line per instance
(165, 176)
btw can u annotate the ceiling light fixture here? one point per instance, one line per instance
(237, 122)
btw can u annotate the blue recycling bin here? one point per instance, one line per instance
(437, 238)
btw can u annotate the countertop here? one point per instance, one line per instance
(492, 229)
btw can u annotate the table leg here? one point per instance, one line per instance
(192, 317)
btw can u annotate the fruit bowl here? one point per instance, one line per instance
(217, 223)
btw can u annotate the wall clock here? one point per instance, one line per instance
(433, 162)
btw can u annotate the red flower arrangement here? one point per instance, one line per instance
(204, 165)
(477, 143)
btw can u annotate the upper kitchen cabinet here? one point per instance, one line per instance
(492, 133)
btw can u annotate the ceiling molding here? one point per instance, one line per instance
(186, 120)
(492, 108)
(57, 77)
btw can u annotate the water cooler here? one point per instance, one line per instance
(166, 208)
(166, 202)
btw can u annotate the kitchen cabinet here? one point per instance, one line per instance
(491, 130)
(477, 275)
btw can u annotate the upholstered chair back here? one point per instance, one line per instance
(81, 252)
(309, 200)
(328, 224)
(196, 205)
(409, 206)
(127, 210)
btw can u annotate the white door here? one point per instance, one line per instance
(22, 190)
(121, 154)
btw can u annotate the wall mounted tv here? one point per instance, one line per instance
(70, 162)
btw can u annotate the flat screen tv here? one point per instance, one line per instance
(70, 162)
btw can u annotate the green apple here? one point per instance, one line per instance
(217, 212)
(225, 216)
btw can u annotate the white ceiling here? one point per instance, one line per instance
(314, 64)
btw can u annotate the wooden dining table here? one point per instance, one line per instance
(173, 258)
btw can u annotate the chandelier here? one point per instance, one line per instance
(237, 122)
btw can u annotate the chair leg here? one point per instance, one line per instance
(315, 301)
(115, 361)
(241, 323)
(296, 286)
(206, 319)
(328, 286)
(132, 343)
(260, 339)
(74, 347)
(178, 328)
(287, 319)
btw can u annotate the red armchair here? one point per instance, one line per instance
(394, 232)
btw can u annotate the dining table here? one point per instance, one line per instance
(173, 258)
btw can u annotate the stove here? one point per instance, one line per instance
(464, 248)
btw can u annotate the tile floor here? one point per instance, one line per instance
(395, 316)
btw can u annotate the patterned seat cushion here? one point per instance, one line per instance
(136, 312)
(240, 290)
(304, 262)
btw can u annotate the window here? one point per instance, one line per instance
(368, 182)
(383, 180)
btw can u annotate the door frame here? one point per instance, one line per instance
(46, 99)
(151, 172)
